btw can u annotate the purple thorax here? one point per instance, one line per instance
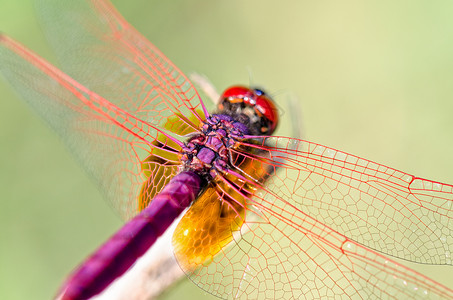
(208, 153)
(242, 128)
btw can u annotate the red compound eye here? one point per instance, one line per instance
(261, 103)
(238, 92)
(266, 107)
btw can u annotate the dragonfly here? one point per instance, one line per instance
(264, 216)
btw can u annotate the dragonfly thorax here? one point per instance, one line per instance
(207, 153)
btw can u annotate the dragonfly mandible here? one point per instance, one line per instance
(305, 219)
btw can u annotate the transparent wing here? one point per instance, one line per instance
(103, 52)
(111, 144)
(310, 231)
(382, 208)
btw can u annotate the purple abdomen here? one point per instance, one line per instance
(118, 254)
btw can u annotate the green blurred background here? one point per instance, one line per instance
(374, 79)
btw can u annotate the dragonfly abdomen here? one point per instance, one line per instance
(118, 254)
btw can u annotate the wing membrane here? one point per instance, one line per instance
(97, 47)
(382, 208)
(109, 142)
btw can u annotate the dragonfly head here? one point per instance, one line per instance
(252, 107)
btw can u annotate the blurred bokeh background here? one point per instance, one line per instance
(373, 79)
